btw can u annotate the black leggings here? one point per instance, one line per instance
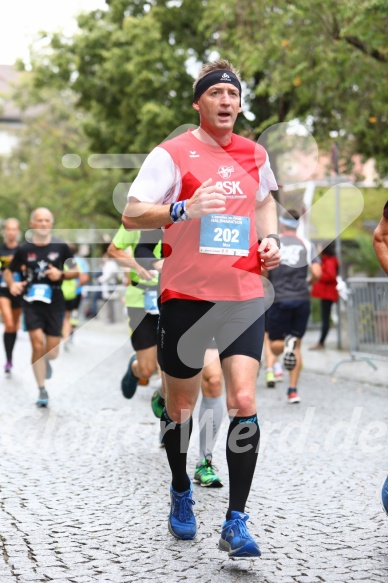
(325, 319)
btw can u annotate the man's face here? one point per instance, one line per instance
(42, 222)
(11, 231)
(218, 107)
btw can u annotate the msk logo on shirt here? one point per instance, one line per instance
(31, 257)
(231, 187)
(52, 256)
(225, 171)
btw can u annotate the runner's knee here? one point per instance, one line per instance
(212, 385)
(243, 402)
(53, 353)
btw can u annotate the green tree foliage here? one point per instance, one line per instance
(118, 86)
(126, 72)
(35, 176)
(361, 257)
(325, 64)
(125, 80)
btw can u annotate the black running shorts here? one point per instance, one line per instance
(288, 317)
(186, 328)
(73, 304)
(16, 301)
(143, 327)
(45, 316)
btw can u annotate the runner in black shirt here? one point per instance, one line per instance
(10, 306)
(288, 316)
(43, 259)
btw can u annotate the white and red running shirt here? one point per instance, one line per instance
(173, 171)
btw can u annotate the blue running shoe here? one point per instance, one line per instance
(181, 522)
(384, 495)
(43, 398)
(235, 538)
(129, 381)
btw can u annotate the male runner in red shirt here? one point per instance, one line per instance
(210, 190)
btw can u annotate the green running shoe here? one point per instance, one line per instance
(270, 379)
(157, 404)
(205, 474)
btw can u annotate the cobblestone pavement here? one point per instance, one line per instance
(85, 485)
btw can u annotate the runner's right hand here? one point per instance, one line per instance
(17, 288)
(206, 200)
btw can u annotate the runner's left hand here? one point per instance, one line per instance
(269, 253)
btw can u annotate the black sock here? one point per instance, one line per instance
(242, 448)
(9, 342)
(176, 439)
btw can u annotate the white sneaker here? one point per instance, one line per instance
(289, 357)
(278, 371)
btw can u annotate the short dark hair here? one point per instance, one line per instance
(219, 64)
(329, 250)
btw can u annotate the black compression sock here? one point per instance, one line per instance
(9, 342)
(176, 439)
(242, 448)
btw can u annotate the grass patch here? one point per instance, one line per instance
(360, 211)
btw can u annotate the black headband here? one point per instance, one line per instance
(213, 78)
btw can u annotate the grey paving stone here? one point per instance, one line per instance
(103, 516)
(26, 578)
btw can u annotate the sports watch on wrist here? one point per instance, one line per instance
(276, 237)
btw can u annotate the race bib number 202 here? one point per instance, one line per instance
(224, 235)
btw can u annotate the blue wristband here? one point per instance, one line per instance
(178, 211)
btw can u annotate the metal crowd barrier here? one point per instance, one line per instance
(99, 288)
(367, 319)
